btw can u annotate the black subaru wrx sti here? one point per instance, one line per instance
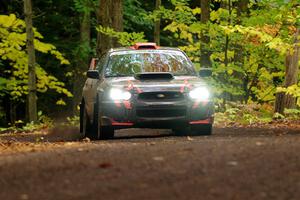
(145, 86)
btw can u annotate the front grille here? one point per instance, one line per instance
(161, 96)
(161, 113)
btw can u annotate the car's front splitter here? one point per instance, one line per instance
(165, 115)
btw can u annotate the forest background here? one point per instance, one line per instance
(252, 47)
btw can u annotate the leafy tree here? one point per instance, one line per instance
(249, 75)
(14, 78)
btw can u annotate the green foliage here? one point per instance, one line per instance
(293, 90)
(19, 126)
(73, 121)
(136, 16)
(278, 116)
(247, 52)
(82, 6)
(237, 114)
(12, 51)
(292, 113)
(124, 38)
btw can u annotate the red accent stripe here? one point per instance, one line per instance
(115, 123)
(131, 86)
(196, 104)
(117, 103)
(186, 84)
(138, 90)
(122, 123)
(205, 121)
(127, 105)
(204, 103)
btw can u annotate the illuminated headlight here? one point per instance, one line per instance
(118, 94)
(200, 94)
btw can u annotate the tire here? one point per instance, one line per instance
(81, 106)
(106, 132)
(86, 126)
(102, 132)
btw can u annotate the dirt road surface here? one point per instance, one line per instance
(233, 163)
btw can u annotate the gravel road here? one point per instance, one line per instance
(233, 163)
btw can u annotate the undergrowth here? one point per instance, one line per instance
(253, 114)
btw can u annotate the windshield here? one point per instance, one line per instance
(128, 63)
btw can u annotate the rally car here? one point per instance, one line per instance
(145, 86)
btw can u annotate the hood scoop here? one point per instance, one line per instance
(154, 76)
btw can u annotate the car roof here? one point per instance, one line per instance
(143, 46)
(130, 49)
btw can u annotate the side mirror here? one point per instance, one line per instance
(205, 72)
(93, 64)
(94, 74)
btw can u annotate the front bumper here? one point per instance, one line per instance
(155, 114)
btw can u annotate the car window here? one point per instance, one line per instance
(128, 63)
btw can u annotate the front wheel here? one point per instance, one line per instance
(87, 129)
(103, 132)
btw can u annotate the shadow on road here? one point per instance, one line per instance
(55, 134)
(142, 134)
(71, 134)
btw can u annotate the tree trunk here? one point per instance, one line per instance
(291, 77)
(110, 14)
(204, 49)
(83, 55)
(104, 42)
(32, 99)
(117, 19)
(157, 24)
(242, 6)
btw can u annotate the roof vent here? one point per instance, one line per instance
(147, 45)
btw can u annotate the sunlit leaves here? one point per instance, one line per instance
(257, 44)
(13, 51)
(293, 90)
(124, 38)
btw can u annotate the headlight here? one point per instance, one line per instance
(118, 94)
(200, 94)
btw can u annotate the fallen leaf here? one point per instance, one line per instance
(232, 163)
(68, 143)
(259, 143)
(105, 165)
(86, 139)
(189, 138)
(188, 149)
(24, 196)
(158, 158)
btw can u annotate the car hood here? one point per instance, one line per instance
(179, 83)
